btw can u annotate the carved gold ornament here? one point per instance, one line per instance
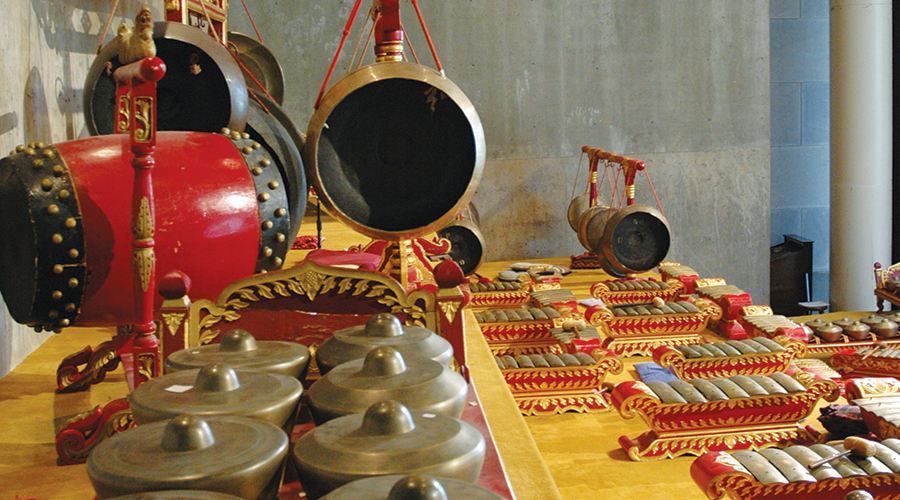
(123, 118)
(143, 116)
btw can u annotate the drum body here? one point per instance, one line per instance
(65, 223)
(395, 150)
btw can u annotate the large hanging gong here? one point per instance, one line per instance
(395, 150)
(203, 90)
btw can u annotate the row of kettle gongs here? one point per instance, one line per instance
(409, 428)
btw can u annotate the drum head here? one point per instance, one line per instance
(203, 89)
(259, 62)
(466, 245)
(395, 150)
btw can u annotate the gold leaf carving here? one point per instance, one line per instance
(143, 117)
(143, 226)
(124, 114)
(450, 309)
(173, 322)
(143, 262)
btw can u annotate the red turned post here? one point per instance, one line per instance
(140, 77)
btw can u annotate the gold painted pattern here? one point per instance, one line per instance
(146, 362)
(143, 262)
(173, 322)
(644, 346)
(757, 310)
(746, 364)
(670, 447)
(449, 309)
(741, 485)
(143, 117)
(144, 227)
(310, 284)
(123, 121)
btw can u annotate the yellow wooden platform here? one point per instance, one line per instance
(577, 452)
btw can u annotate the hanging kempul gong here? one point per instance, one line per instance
(622, 240)
(394, 149)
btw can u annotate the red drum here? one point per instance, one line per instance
(222, 213)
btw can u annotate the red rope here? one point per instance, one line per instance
(251, 21)
(653, 189)
(209, 20)
(409, 42)
(337, 54)
(437, 61)
(257, 99)
(232, 49)
(106, 28)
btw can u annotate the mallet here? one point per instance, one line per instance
(858, 446)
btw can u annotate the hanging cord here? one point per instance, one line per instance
(437, 61)
(368, 39)
(374, 15)
(211, 25)
(106, 28)
(653, 189)
(318, 223)
(609, 182)
(258, 100)
(346, 33)
(337, 54)
(409, 44)
(252, 23)
(233, 50)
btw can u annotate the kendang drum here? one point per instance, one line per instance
(223, 210)
(395, 150)
(203, 89)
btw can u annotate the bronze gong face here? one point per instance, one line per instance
(395, 150)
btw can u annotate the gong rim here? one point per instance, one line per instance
(261, 62)
(617, 263)
(364, 79)
(94, 99)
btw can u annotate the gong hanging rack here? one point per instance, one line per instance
(622, 237)
(622, 166)
(389, 34)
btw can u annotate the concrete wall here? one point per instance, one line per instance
(46, 49)
(800, 129)
(681, 85)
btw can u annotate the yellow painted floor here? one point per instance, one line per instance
(579, 450)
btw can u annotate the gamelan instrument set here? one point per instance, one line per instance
(346, 375)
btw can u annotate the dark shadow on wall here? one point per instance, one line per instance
(37, 114)
(75, 27)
